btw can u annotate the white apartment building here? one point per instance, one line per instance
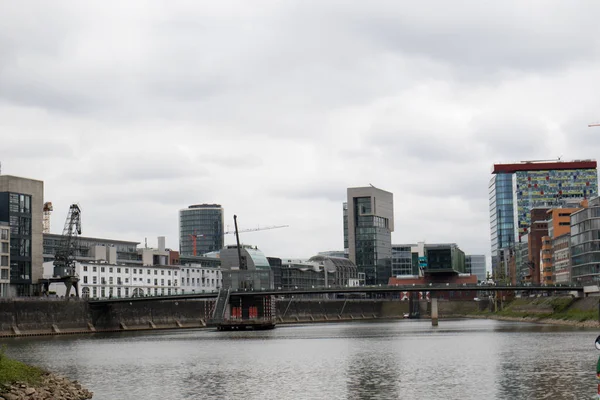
(4, 260)
(198, 279)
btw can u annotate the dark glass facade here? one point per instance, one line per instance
(402, 261)
(15, 208)
(372, 243)
(502, 227)
(205, 221)
(585, 244)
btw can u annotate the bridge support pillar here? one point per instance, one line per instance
(434, 312)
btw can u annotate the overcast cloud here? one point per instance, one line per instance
(137, 109)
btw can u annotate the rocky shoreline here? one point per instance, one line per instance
(51, 387)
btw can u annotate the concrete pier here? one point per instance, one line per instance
(434, 312)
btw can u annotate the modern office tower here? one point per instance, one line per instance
(368, 227)
(585, 244)
(21, 205)
(201, 229)
(517, 188)
(475, 265)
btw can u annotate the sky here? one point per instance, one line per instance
(272, 109)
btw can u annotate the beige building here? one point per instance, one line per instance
(21, 206)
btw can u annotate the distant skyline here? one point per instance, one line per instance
(273, 109)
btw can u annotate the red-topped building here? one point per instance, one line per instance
(516, 188)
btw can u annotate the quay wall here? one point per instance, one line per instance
(53, 316)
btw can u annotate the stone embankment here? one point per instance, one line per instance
(551, 321)
(51, 387)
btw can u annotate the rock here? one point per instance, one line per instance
(29, 391)
(10, 396)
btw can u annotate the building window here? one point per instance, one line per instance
(135, 271)
(93, 269)
(101, 269)
(156, 282)
(127, 280)
(162, 272)
(168, 283)
(85, 279)
(5, 248)
(4, 234)
(126, 292)
(148, 281)
(175, 273)
(94, 280)
(155, 272)
(4, 261)
(162, 282)
(110, 270)
(95, 292)
(169, 273)
(3, 274)
(126, 270)
(110, 280)
(85, 268)
(118, 270)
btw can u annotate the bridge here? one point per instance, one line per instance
(349, 290)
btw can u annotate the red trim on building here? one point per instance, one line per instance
(510, 168)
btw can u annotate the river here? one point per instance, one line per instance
(409, 359)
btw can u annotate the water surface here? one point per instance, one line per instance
(460, 359)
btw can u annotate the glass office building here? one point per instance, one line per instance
(21, 202)
(368, 227)
(501, 216)
(585, 244)
(517, 188)
(205, 223)
(402, 261)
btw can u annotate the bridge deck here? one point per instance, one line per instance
(348, 290)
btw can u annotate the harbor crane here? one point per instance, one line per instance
(64, 257)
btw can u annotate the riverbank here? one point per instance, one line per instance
(19, 381)
(563, 310)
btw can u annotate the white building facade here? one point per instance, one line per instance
(198, 279)
(103, 280)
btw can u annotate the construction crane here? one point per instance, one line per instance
(257, 229)
(194, 238)
(47, 210)
(64, 257)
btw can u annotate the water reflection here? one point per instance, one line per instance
(372, 376)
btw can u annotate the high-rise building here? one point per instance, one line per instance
(201, 224)
(517, 188)
(368, 227)
(585, 243)
(21, 204)
(475, 265)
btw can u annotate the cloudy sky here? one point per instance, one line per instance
(137, 109)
